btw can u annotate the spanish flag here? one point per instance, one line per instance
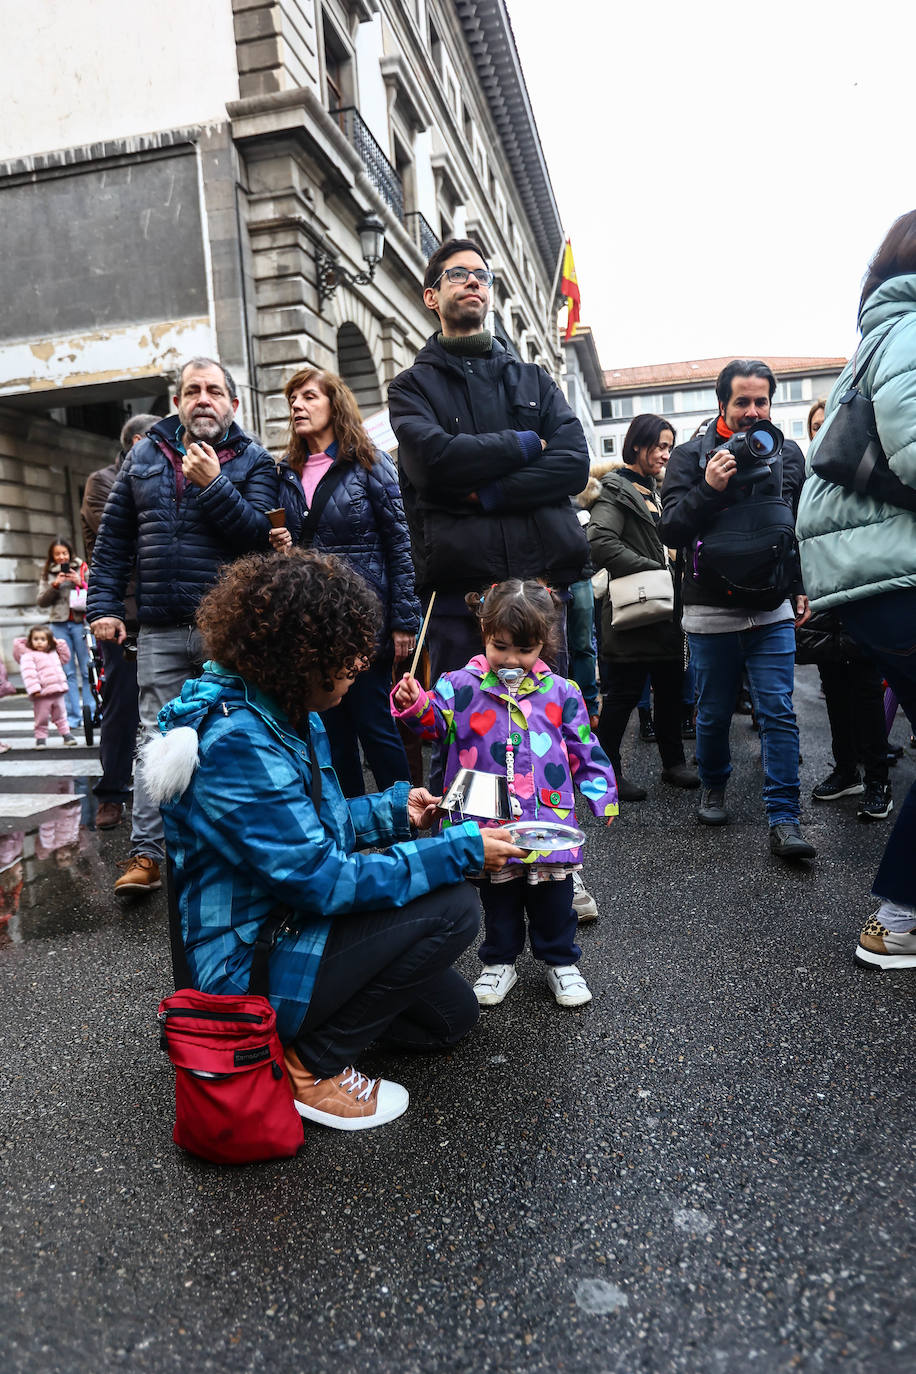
(569, 288)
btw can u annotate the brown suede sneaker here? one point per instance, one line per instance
(347, 1102)
(141, 874)
(108, 815)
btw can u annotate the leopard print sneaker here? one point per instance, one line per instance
(879, 947)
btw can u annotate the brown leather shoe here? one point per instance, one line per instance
(108, 815)
(347, 1102)
(141, 874)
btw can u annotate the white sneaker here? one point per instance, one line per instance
(584, 904)
(568, 986)
(494, 982)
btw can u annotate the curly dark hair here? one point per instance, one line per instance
(526, 612)
(290, 622)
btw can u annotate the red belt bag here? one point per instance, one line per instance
(233, 1100)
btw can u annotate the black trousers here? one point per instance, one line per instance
(388, 976)
(120, 719)
(855, 706)
(364, 718)
(625, 681)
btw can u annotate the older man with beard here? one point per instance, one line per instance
(189, 498)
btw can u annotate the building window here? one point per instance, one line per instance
(623, 407)
(609, 447)
(435, 47)
(798, 429)
(338, 68)
(788, 391)
(700, 399)
(607, 410)
(403, 162)
(667, 402)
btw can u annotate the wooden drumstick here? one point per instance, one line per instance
(422, 635)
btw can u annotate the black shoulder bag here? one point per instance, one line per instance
(850, 454)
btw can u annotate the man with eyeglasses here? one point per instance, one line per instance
(489, 454)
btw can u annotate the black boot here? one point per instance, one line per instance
(646, 726)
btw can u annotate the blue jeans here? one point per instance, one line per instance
(580, 636)
(77, 669)
(167, 655)
(767, 654)
(886, 627)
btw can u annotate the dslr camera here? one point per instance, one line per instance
(754, 450)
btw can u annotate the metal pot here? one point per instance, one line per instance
(473, 793)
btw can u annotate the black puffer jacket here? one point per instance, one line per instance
(483, 501)
(363, 521)
(690, 505)
(180, 539)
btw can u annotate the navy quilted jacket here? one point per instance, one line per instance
(364, 523)
(180, 534)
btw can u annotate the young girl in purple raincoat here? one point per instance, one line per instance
(506, 712)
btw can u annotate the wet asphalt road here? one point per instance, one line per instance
(707, 1169)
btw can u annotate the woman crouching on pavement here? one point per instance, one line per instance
(254, 817)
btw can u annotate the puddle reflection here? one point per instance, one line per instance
(52, 878)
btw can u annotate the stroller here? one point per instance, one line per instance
(92, 709)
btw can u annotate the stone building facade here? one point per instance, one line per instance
(197, 191)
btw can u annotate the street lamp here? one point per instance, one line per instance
(371, 232)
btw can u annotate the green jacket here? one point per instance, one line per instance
(854, 546)
(623, 539)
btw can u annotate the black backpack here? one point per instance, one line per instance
(748, 553)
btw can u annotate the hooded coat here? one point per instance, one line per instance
(855, 546)
(233, 778)
(484, 501)
(471, 714)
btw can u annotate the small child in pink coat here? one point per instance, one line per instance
(41, 659)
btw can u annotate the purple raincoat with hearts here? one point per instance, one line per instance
(472, 714)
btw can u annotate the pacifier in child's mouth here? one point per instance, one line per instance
(510, 677)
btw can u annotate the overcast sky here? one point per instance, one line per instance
(724, 171)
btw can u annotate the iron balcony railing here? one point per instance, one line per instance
(421, 231)
(383, 176)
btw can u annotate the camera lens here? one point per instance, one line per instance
(761, 443)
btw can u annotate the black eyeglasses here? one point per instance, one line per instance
(459, 275)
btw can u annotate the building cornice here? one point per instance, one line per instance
(489, 37)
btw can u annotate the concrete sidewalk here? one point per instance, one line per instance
(705, 1170)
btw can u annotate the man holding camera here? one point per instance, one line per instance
(189, 497)
(729, 501)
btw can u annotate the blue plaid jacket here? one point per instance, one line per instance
(245, 837)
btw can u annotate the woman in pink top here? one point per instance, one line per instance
(341, 496)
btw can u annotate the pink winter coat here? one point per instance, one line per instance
(42, 673)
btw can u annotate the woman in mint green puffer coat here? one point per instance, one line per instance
(858, 555)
